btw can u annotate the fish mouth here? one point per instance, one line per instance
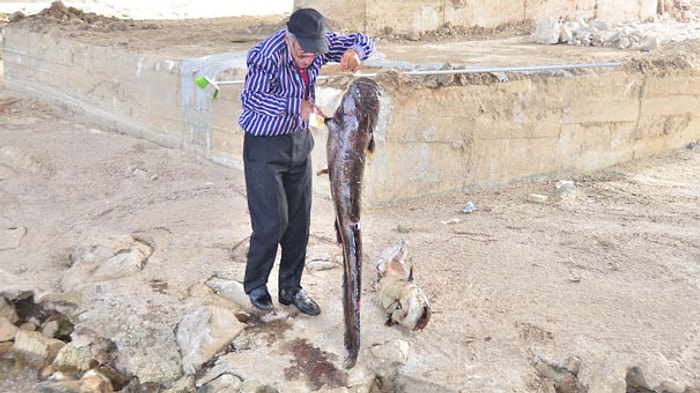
(366, 93)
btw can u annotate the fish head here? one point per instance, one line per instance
(416, 309)
(359, 110)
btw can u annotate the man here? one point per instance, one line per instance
(278, 100)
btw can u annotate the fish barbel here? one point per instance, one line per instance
(350, 140)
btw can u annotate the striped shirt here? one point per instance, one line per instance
(273, 88)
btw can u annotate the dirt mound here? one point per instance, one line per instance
(449, 32)
(675, 56)
(217, 34)
(70, 18)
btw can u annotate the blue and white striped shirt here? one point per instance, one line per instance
(273, 88)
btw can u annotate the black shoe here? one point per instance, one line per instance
(261, 299)
(301, 300)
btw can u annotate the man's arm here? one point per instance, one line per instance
(338, 46)
(257, 93)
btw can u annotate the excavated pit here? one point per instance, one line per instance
(461, 130)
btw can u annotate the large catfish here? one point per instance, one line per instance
(350, 140)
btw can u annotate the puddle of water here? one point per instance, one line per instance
(15, 379)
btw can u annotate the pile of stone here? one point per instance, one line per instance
(599, 33)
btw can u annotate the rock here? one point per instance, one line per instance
(205, 332)
(223, 384)
(229, 289)
(50, 329)
(624, 43)
(106, 259)
(91, 382)
(385, 359)
(11, 238)
(320, 266)
(35, 349)
(413, 36)
(17, 16)
(123, 264)
(572, 364)
(403, 229)
(7, 330)
(597, 33)
(73, 357)
(28, 326)
(59, 387)
(5, 347)
(547, 31)
(94, 382)
(7, 309)
(537, 198)
(650, 43)
(564, 189)
(566, 35)
(601, 25)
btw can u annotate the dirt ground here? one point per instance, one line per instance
(611, 266)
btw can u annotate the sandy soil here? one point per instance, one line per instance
(612, 266)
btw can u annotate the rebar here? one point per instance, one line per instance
(540, 68)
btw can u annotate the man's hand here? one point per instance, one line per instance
(308, 107)
(350, 61)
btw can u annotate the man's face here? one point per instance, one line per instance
(301, 59)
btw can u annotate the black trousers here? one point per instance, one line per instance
(278, 176)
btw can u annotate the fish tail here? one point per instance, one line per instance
(351, 296)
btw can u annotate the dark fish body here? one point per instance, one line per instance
(350, 140)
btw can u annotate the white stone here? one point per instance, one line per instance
(7, 309)
(566, 35)
(124, 263)
(205, 332)
(33, 345)
(11, 238)
(7, 330)
(651, 43)
(547, 31)
(73, 356)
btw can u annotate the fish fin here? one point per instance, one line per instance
(331, 123)
(351, 360)
(410, 274)
(323, 171)
(370, 147)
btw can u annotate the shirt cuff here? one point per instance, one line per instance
(360, 51)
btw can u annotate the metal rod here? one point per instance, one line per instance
(554, 67)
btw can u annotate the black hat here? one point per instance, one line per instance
(308, 26)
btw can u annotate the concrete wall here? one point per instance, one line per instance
(146, 95)
(403, 16)
(438, 140)
(429, 140)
